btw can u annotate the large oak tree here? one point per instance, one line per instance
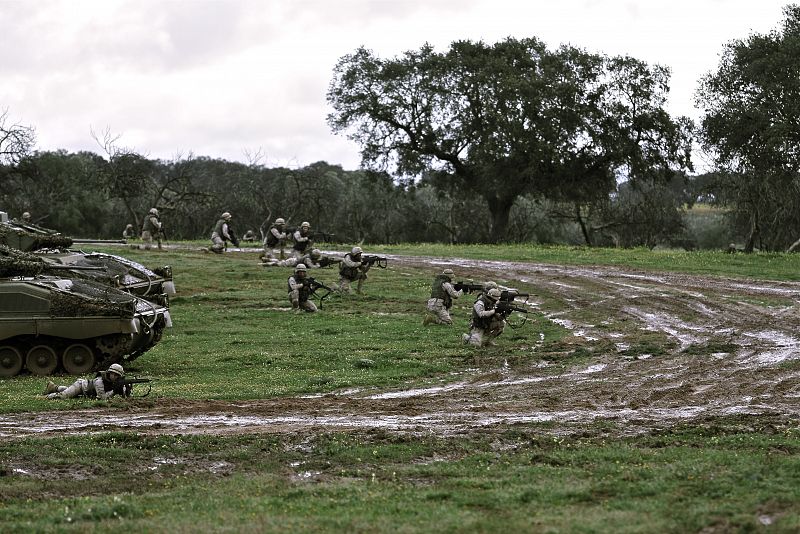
(751, 126)
(499, 121)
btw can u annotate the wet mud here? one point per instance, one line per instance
(662, 349)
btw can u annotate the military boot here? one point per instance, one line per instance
(50, 388)
(428, 320)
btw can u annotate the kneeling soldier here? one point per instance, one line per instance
(483, 324)
(103, 386)
(352, 269)
(300, 290)
(442, 295)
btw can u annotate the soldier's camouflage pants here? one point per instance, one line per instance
(78, 388)
(307, 305)
(440, 314)
(217, 244)
(344, 283)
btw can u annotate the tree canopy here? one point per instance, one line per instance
(505, 120)
(751, 127)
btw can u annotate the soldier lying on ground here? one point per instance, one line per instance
(104, 385)
(314, 259)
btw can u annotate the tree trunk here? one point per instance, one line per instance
(754, 232)
(582, 223)
(500, 209)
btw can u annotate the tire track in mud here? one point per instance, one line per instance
(732, 349)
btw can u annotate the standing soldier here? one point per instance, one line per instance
(275, 240)
(483, 311)
(442, 295)
(300, 290)
(222, 233)
(302, 240)
(151, 228)
(351, 269)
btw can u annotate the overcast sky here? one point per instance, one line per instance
(227, 77)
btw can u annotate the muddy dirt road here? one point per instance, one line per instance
(661, 349)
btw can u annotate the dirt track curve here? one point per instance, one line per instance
(731, 345)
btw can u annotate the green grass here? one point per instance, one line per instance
(234, 338)
(714, 477)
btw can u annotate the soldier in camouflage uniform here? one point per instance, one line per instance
(442, 295)
(129, 232)
(302, 240)
(26, 217)
(483, 310)
(352, 269)
(222, 233)
(313, 259)
(275, 240)
(103, 386)
(151, 228)
(300, 290)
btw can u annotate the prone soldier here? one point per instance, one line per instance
(104, 385)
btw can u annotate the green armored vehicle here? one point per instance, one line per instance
(48, 323)
(155, 285)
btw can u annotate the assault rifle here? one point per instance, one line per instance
(314, 285)
(467, 287)
(505, 308)
(327, 262)
(313, 236)
(125, 386)
(380, 261)
(508, 295)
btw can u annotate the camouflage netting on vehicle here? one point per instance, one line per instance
(14, 262)
(14, 235)
(85, 299)
(116, 269)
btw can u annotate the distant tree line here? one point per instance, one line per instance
(508, 142)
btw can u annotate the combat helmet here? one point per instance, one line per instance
(448, 273)
(116, 368)
(280, 220)
(305, 224)
(493, 294)
(356, 251)
(316, 253)
(226, 216)
(300, 267)
(153, 211)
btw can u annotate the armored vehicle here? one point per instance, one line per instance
(155, 285)
(49, 323)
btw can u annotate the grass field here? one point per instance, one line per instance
(234, 339)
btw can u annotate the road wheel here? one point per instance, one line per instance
(10, 361)
(78, 359)
(41, 360)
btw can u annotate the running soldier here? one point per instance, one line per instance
(151, 229)
(442, 295)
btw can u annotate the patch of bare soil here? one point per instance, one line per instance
(722, 347)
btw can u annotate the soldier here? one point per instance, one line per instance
(103, 386)
(302, 240)
(481, 332)
(300, 290)
(222, 233)
(26, 217)
(249, 236)
(129, 232)
(151, 228)
(275, 240)
(442, 295)
(351, 269)
(314, 259)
